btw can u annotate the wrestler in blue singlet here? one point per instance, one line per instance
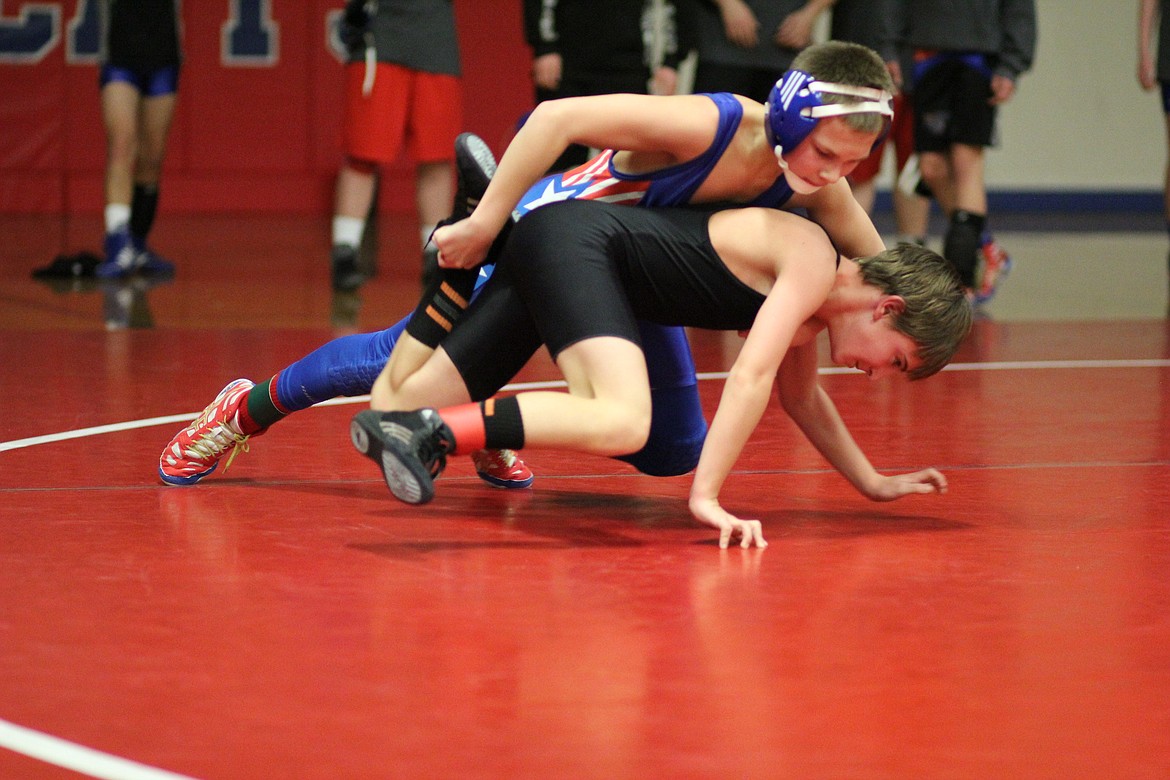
(349, 365)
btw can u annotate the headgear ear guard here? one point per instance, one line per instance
(795, 106)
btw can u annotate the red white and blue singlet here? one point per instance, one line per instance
(598, 179)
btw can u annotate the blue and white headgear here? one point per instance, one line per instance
(795, 105)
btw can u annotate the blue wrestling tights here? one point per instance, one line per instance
(677, 425)
(348, 366)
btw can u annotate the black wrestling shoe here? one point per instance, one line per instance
(475, 165)
(411, 448)
(347, 277)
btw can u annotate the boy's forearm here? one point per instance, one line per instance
(740, 408)
(532, 151)
(818, 419)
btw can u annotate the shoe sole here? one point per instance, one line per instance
(473, 156)
(185, 481)
(405, 476)
(506, 484)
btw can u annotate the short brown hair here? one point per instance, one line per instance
(937, 315)
(841, 62)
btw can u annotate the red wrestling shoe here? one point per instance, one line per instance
(197, 449)
(502, 469)
(996, 266)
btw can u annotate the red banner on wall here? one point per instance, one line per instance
(257, 128)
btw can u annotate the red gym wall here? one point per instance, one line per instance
(259, 133)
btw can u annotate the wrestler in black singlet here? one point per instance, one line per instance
(577, 270)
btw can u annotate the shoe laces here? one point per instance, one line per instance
(215, 440)
(491, 460)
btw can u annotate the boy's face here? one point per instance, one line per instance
(870, 343)
(830, 152)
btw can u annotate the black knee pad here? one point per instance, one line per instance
(961, 246)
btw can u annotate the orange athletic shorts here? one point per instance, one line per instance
(422, 110)
(901, 133)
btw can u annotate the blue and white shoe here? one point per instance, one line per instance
(148, 262)
(121, 256)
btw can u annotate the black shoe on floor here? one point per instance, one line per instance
(347, 277)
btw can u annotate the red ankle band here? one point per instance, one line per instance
(466, 424)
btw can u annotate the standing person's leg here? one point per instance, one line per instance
(155, 117)
(351, 207)
(433, 192)
(910, 193)
(434, 119)
(973, 129)
(970, 190)
(992, 262)
(935, 168)
(373, 130)
(942, 105)
(120, 100)
(968, 215)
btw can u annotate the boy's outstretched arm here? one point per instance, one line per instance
(814, 412)
(678, 127)
(805, 277)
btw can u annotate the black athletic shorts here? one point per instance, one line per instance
(951, 106)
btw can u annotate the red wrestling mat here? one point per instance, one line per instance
(289, 618)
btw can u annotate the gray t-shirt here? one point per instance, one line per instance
(714, 46)
(417, 34)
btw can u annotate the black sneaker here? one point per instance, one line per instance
(410, 447)
(347, 277)
(475, 165)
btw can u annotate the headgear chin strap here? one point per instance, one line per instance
(795, 105)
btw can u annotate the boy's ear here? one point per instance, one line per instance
(889, 305)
